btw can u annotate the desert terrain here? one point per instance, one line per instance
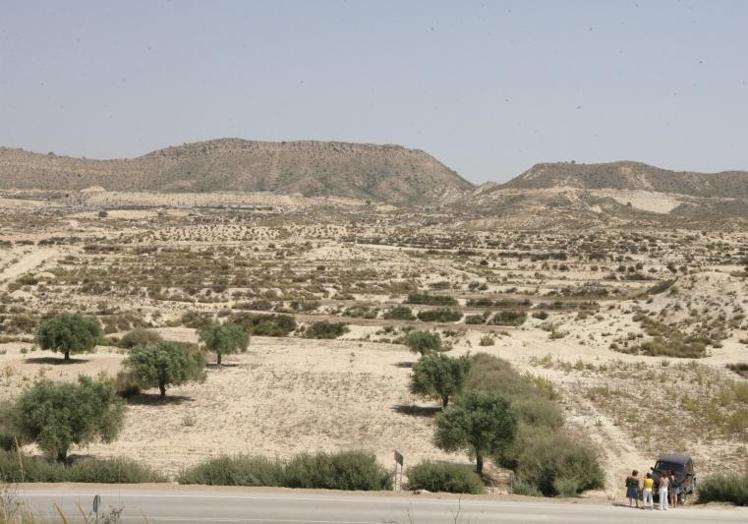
(637, 322)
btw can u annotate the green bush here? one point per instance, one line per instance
(728, 487)
(554, 463)
(423, 342)
(439, 315)
(399, 313)
(348, 470)
(240, 470)
(451, 478)
(139, 337)
(545, 460)
(509, 318)
(475, 319)
(265, 325)
(15, 467)
(325, 329)
(431, 300)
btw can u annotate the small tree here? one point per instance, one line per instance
(67, 333)
(423, 342)
(59, 415)
(439, 376)
(165, 364)
(223, 339)
(479, 423)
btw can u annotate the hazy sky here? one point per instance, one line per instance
(489, 88)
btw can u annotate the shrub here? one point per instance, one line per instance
(349, 470)
(486, 340)
(126, 385)
(240, 470)
(15, 467)
(224, 339)
(165, 364)
(509, 318)
(325, 329)
(265, 325)
(554, 464)
(66, 334)
(475, 319)
(545, 460)
(423, 342)
(541, 315)
(431, 300)
(399, 313)
(59, 415)
(439, 376)
(728, 487)
(139, 337)
(452, 478)
(439, 315)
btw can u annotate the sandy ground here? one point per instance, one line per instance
(291, 395)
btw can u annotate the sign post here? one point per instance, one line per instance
(399, 461)
(96, 504)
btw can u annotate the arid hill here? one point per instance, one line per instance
(384, 173)
(632, 176)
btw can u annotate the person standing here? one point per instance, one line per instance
(648, 486)
(664, 484)
(674, 489)
(632, 488)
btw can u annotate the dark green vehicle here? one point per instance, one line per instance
(682, 467)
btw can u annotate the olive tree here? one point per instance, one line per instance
(68, 333)
(439, 376)
(223, 339)
(165, 364)
(57, 415)
(479, 423)
(423, 342)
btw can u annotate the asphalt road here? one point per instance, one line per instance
(157, 504)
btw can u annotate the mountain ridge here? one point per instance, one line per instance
(632, 176)
(387, 173)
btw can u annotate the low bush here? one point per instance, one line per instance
(399, 313)
(349, 470)
(729, 487)
(423, 342)
(553, 463)
(439, 315)
(545, 460)
(475, 319)
(509, 318)
(265, 325)
(325, 329)
(139, 337)
(16, 467)
(431, 300)
(240, 470)
(451, 478)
